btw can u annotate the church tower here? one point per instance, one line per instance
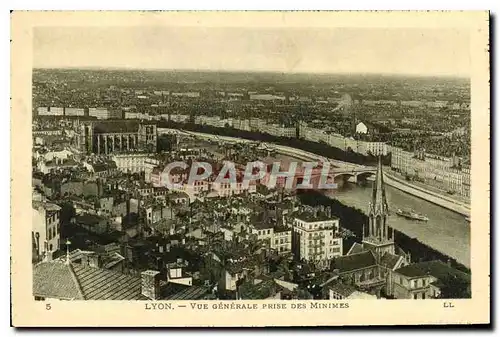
(377, 235)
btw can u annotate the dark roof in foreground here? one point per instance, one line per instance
(116, 126)
(356, 248)
(100, 284)
(190, 293)
(438, 269)
(259, 291)
(55, 280)
(352, 262)
(342, 289)
(389, 260)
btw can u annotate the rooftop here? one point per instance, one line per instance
(108, 260)
(352, 262)
(190, 293)
(77, 282)
(389, 260)
(342, 289)
(280, 229)
(261, 290)
(100, 284)
(116, 126)
(56, 280)
(314, 217)
(88, 219)
(438, 269)
(356, 248)
(103, 166)
(46, 205)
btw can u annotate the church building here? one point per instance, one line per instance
(369, 265)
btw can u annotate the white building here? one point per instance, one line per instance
(434, 170)
(179, 118)
(131, 115)
(99, 113)
(134, 163)
(241, 124)
(316, 237)
(263, 230)
(74, 111)
(361, 128)
(281, 240)
(53, 155)
(56, 111)
(375, 148)
(43, 111)
(215, 121)
(226, 189)
(256, 124)
(46, 229)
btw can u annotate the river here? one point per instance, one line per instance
(446, 231)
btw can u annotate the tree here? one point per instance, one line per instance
(455, 287)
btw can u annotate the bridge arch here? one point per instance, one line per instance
(364, 175)
(344, 175)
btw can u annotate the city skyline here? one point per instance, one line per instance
(413, 52)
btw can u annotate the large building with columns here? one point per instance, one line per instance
(118, 136)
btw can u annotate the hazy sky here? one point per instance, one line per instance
(336, 50)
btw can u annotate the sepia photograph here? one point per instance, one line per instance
(251, 168)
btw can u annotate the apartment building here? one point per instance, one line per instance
(316, 236)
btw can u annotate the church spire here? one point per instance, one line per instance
(377, 235)
(378, 210)
(379, 200)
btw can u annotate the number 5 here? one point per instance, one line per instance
(47, 306)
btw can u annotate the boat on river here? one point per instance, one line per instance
(412, 215)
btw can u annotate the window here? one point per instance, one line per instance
(423, 296)
(414, 296)
(268, 231)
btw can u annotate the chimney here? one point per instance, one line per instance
(94, 260)
(91, 259)
(150, 284)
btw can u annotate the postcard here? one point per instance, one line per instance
(246, 169)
